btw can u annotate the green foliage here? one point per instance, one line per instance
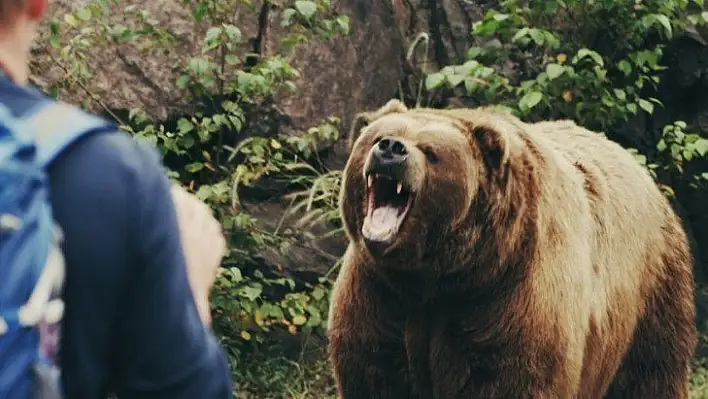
(228, 81)
(278, 378)
(699, 380)
(552, 61)
(678, 148)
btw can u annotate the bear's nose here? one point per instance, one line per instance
(390, 151)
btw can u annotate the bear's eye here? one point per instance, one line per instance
(430, 155)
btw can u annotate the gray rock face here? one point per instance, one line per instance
(125, 76)
(337, 77)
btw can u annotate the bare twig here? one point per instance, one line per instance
(422, 37)
(93, 96)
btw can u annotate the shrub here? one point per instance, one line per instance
(596, 62)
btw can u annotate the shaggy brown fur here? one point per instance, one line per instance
(537, 261)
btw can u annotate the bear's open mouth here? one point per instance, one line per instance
(387, 204)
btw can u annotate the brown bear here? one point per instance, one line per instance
(492, 258)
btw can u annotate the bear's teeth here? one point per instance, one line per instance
(399, 187)
(370, 181)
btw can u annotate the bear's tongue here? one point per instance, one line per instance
(381, 224)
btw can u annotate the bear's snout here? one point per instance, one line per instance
(389, 156)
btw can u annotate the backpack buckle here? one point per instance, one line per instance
(11, 222)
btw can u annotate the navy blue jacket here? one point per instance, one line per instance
(131, 324)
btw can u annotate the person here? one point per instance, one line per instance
(131, 325)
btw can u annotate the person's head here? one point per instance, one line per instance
(18, 24)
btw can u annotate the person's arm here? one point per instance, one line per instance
(131, 325)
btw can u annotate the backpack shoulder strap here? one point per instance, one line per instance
(56, 125)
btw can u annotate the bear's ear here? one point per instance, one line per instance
(364, 119)
(494, 144)
(361, 120)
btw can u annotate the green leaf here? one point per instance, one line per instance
(184, 126)
(554, 70)
(182, 81)
(485, 72)
(212, 34)
(299, 320)
(84, 14)
(318, 293)
(530, 100)
(198, 65)
(70, 20)
(434, 80)
(620, 94)
(646, 106)
(188, 142)
(270, 310)
(640, 158)
(661, 145)
(54, 41)
(288, 15)
(647, 57)
(232, 59)
(625, 67)
(236, 274)
(661, 19)
(701, 147)
(315, 316)
(194, 167)
(474, 52)
(251, 292)
(233, 32)
(585, 52)
(455, 79)
(470, 85)
(632, 107)
(54, 26)
(343, 24)
(519, 34)
(664, 21)
(675, 149)
(290, 86)
(537, 36)
(306, 8)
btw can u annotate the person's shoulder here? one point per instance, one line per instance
(109, 150)
(113, 149)
(109, 167)
(19, 99)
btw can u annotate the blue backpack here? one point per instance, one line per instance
(31, 261)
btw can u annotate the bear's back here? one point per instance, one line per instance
(632, 221)
(612, 178)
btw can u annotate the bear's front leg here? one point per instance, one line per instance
(368, 370)
(366, 348)
(503, 387)
(464, 365)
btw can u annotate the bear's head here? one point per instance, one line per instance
(415, 177)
